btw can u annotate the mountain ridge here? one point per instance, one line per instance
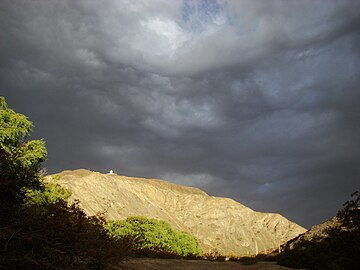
(220, 224)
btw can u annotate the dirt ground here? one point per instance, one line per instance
(175, 264)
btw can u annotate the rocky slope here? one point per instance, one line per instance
(316, 233)
(219, 223)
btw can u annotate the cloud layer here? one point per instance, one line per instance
(257, 101)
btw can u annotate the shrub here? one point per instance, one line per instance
(213, 255)
(152, 236)
(56, 236)
(49, 194)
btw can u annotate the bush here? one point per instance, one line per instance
(49, 194)
(152, 236)
(213, 255)
(56, 236)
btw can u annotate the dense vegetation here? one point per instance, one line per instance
(334, 247)
(38, 230)
(20, 159)
(50, 193)
(152, 236)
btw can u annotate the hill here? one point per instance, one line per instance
(334, 244)
(220, 224)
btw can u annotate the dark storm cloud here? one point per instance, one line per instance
(257, 101)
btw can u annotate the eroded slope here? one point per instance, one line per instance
(219, 223)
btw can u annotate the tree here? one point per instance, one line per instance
(20, 158)
(38, 230)
(350, 214)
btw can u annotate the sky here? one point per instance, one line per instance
(257, 101)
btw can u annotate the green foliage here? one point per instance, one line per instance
(43, 232)
(19, 159)
(153, 236)
(56, 177)
(51, 193)
(14, 127)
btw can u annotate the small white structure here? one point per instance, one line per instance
(111, 172)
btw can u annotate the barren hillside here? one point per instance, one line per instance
(219, 223)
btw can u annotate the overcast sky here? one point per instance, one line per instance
(258, 101)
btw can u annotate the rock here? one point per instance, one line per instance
(220, 224)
